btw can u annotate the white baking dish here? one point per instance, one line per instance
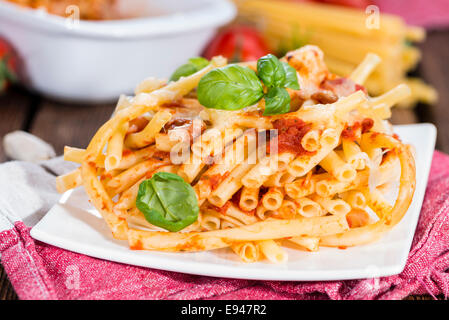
(97, 61)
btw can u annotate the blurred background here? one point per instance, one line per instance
(64, 63)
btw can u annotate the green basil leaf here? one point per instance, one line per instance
(167, 201)
(229, 88)
(271, 71)
(194, 65)
(277, 101)
(291, 77)
(199, 62)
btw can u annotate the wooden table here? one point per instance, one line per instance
(74, 125)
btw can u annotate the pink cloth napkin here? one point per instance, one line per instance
(41, 271)
(430, 14)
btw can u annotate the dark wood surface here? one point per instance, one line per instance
(62, 124)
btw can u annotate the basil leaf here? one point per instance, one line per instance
(199, 62)
(167, 201)
(229, 88)
(277, 101)
(271, 71)
(194, 65)
(291, 77)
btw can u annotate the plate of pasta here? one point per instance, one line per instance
(257, 170)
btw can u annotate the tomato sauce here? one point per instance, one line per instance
(222, 209)
(367, 125)
(290, 133)
(126, 152)
(216, 179)
(137, 245)
(353, 132)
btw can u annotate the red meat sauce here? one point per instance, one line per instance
(351, 132)
(290, 133)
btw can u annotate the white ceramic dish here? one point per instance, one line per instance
(75, 225)
(97, 61)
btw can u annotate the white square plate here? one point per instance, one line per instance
(74, 224)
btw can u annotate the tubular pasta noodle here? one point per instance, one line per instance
(335, 207)
(74, 154)
(190, 169)
(210, 222)
(341, 170)
(311, 140)
(218, 171)
(263, 213)
(115, 149)
(230, 185)
(149, 85)
(303, 164)
(77, 155)
(249, 198)
(164, 143)
(376, 201)
(225, 218)
(260, 173)
(69, 181)
(356, 199)
(129, 177)
(392, 97)
(228, 224)
(364, 69)
(309, 208)
(300, 188)
(272, 200)
(127, 199)
(123, 103)
(309, 243)
(354, 155)
(328, 186)
(284, 160)
(374, 154)
(279, 179)
(272, 251)
(217, 141)
(128, 159)
(244, 217)
(147, 136)
(247, 251)
(134, 216)
(131, 158)
(287, 210)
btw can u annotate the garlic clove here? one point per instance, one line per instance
(21, 145)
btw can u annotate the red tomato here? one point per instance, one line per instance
(237, 43)
(8, 65)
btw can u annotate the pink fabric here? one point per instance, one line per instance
(41, 271)
(427, 13)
